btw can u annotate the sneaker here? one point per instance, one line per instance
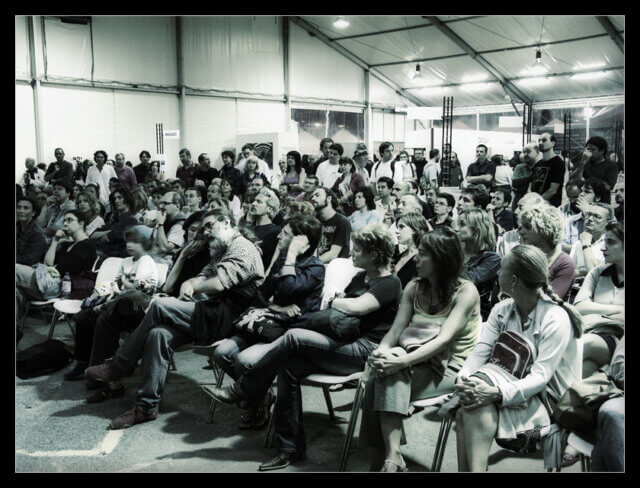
(132, 417)
(106, 371)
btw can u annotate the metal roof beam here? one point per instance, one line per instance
(352, 57)
(506, 84)
(400, 29)
(611, 30)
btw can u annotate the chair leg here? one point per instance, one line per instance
(270, 434)
(583, 464)
(214, 403)
(587, 462)
(327, 399)
(68, 320)
(355, 410)
(24, 316)
(172, 364)
(54, 320)
(445, 427)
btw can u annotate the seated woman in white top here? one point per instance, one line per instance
(89, 208)
(497, 404)
(600, 298)
(365, 209)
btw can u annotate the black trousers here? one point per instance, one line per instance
(98, 332)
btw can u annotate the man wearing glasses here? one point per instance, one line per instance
(203, 313)
(168, 233)
(588, 250)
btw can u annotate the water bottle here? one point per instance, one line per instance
(66, 286)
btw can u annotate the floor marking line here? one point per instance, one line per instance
(107, 445)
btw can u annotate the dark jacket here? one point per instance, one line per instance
(300, 284)
(116, 245)
(30, 244)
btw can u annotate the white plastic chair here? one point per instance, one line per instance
(445, 427)
(584, 449)
(338, 274)
(107, 273)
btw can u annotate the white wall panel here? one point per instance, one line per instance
(22, 46)
(210, 126)
(233, 53)
(256, 117)
(399, 127)
(381, 93)
(389, 126)
(25, 129)
(138, 49)
(378, 126)
(68, 49)
(316, 70)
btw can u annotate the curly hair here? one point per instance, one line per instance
(547, 221)
(299, 208)
(375, 239)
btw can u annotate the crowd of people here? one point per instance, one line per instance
(438, 283)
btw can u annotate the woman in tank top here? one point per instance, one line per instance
(433, 332)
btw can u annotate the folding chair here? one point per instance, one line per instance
(107, 273)
(445, 428)
(584, 449)
(325, 381)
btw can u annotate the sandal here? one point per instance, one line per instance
(390, 466)
(569, 459)
(105, 393)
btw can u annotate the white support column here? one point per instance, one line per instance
(368, 113)
(35, 85)
(285, 67)
(181, 88)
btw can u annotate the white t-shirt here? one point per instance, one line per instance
(143, 269)
(327, 173)
(431, 172)
(504, 175)
(102, 178)
(384, 169)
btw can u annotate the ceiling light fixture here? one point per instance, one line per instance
(590, 75)
(538, 55)
(585, 67)
(416, 74)
(340, 22)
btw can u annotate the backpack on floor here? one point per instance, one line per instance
(43, 358)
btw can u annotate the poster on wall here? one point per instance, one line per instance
(264, 151)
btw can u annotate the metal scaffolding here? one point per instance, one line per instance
(447, 136)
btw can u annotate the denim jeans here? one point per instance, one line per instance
(608, 452)
(295, 355)
(238, 354)
(165, 326)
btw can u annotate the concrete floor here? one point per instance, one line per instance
(56, 431)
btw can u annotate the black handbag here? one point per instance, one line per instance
(335, 324)
(263, 324)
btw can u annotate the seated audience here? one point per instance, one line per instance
(59, 205)
(293, 287)
(495, 403)
(203, 313)
(70, 252)
(346, 184)
(588, 251)
(89, 208)
(227, 191)
(443, 210)
(433, 332)
(572, 190)
(523, 172)
(542, 227)
(336, 229)
(310, 184)
(109, 239)
(168, 235)
(30, 240)
(259, 221)
(98, 329)
(251, 171)
(593, 190)
(193, 200)
(204, 173)
(411, 227)
(498, 210)
(481, 261)
(373, 295)
(385, 204)
(364, 209)
(295, 174)
(511, 238)
(619, 199)
(601, 296)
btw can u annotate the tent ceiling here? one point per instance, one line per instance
(565, 41)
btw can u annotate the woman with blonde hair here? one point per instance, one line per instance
(89, 208)
(433, 332)
(542, 226)
(494, 402)
(481, 261)
(411, 227)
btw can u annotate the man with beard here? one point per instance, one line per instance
(594, 164)
(204, 172)
(418, 161)
(203, 313)
(619, 210)
(124, 173)
(548, 173)
(101, 173)
(60, 169)
(329, 171)
(143, 169)
(336, 229)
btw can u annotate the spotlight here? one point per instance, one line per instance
(340, 22)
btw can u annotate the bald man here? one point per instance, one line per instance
(523, 172)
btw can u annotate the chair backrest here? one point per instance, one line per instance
(163, 268)
(108, 270)
(338, 274)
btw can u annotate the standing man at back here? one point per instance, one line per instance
(386, 166)
(483, 170)
(101, 173)
(329, 171)
(523, 172)
(594, 164)
(124, 173)
(60, 169)
(325, 144)
(548, 173)
(187, 171)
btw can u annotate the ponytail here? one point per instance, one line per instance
(574, 315)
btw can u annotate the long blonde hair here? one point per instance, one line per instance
(530, 265)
